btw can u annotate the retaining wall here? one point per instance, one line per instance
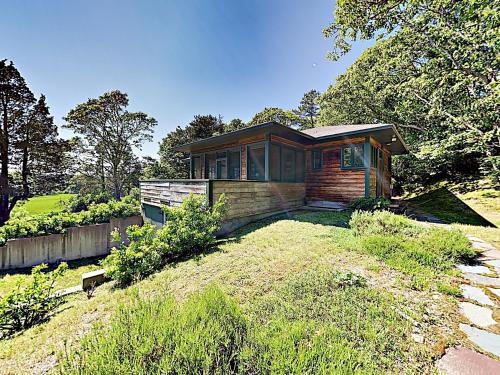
(77, 243)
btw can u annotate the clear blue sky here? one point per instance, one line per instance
(175, 59)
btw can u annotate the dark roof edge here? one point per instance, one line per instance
(361, 131)
(245, 130)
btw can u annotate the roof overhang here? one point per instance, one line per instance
(387, 135)
(265, 128)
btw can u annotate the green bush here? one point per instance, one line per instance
(128, 264)
(24, 308)
(80, 202)
(57, 222)
(384, 223)
(203, 336)
(370, 204)
(188, 230)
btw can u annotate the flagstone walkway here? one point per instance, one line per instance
(481, 311)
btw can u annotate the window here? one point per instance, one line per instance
(317, 160)
(275, 162)
(347, 157)
(197, 170)
(299, 166)
(221, 165)
(352, 156)
(234, 162)
(288, 164)
(210, 166)
(256, 163)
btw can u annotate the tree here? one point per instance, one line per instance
(449, 51)
(287, 118)
(111, 132)
(39, 152)
(308, 109)
(234, 124)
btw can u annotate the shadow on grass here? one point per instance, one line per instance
(72, 264)
(444, 205)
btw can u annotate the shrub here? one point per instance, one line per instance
(384, 223)
(189, 229)
(57, 222)
(203, 336)
(370, 204)
(127, 264)
(80, 202)
(24, 308)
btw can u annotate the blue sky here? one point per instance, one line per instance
(175, 59)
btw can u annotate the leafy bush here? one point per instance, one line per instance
(57, 222)
(24, 308)
(127, 264)
(370, 204)
(383, 223)
(189, 229)
(203, 336)
(80, 202)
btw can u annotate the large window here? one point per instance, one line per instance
(286, 163)
(353, 156)
(210, 166)
(275, 162)
(256, 162)
(234, 165)
(197, 169)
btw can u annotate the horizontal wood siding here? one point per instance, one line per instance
(335, 144)
(170, 193)
(332, 183)
(249, 198)
(243, 163)
(278, 139)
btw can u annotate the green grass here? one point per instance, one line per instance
(43, 204)
(270, 261)
(9, 280)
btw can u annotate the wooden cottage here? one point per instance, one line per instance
(270, 168)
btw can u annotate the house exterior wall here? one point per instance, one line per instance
(250, 198)
(331, 182)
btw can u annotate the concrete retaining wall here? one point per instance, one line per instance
(77, 243)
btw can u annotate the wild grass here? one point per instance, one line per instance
(321, 321)
(43, 204)
(250, 266)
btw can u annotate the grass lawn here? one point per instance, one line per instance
(44, 204)
(275, 269)
(474, 212)
(10, 279)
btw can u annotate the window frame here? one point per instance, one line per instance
(352, 156)
(265, 146)
(296, 179)
(316, 168)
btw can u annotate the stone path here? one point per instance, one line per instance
(481, 312)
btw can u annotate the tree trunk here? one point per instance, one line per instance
(25, 174)
(4, 171)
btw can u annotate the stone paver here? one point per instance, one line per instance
(463, 361)
(495, 291)
(487, 341)
(495, 263)
(483, 280)
(476, 294)
(480, 316)
(473, 269)
(492, 254)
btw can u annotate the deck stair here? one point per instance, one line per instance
(398, 206)
(326, 205)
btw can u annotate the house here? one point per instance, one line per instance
(270, 168)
